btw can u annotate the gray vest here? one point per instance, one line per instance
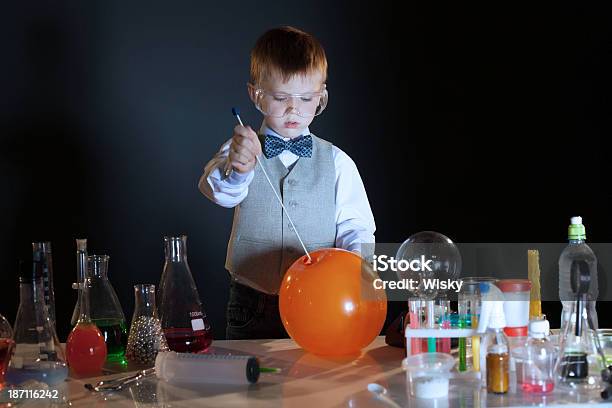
(262, 244)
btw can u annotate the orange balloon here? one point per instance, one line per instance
(330, 306)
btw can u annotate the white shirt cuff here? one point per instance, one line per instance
(236, 177)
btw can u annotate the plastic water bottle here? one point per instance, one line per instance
(577, 250)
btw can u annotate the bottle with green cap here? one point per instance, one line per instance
(577, 250)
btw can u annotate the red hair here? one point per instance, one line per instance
(287, 51)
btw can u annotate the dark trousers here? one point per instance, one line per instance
(252, 314)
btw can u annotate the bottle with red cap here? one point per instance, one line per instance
(516, 309)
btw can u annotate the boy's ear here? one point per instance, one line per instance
(251, 90)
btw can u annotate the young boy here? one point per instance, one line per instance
(319, 183)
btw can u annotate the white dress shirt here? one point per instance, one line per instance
(354, 219)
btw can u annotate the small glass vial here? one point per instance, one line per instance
(498, 358)
(497, 368)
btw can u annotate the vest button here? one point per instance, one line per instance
(292, 182)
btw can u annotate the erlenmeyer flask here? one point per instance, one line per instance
(146, 336)
(85, 346)
(183, 319)
(47, 271)
(38, 354)
(6, 347)
(578, 366)
(105, 309)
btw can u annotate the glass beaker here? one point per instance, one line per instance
(38, 354)
(605, 339)
(146, 335)
(6, 347)
(44, 250)
(105, 309)
(469, 304)
(182, 316)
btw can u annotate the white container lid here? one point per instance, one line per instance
(576, 220)
(539, 328)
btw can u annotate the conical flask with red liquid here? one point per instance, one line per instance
(6, 347)
(85, 347)
(182, 316)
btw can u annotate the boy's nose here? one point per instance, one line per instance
(291, 108)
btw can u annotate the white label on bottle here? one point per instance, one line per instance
(197, 324)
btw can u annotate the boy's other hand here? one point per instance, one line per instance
(244, 149)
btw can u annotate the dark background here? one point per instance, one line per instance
(487, 123)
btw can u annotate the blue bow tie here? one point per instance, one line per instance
(301, 146)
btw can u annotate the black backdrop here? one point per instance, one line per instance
(486, 123)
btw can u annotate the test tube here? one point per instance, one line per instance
(443, 344)
(414, 313)
(465, 305)
(469, 312)
(475, 345)
(431, 319)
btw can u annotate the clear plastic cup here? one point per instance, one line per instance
(428, 374)
(605, 339)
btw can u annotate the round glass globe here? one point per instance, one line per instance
(440, 250)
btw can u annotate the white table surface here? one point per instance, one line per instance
(305, 381)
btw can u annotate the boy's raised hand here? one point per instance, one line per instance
(244, 149)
